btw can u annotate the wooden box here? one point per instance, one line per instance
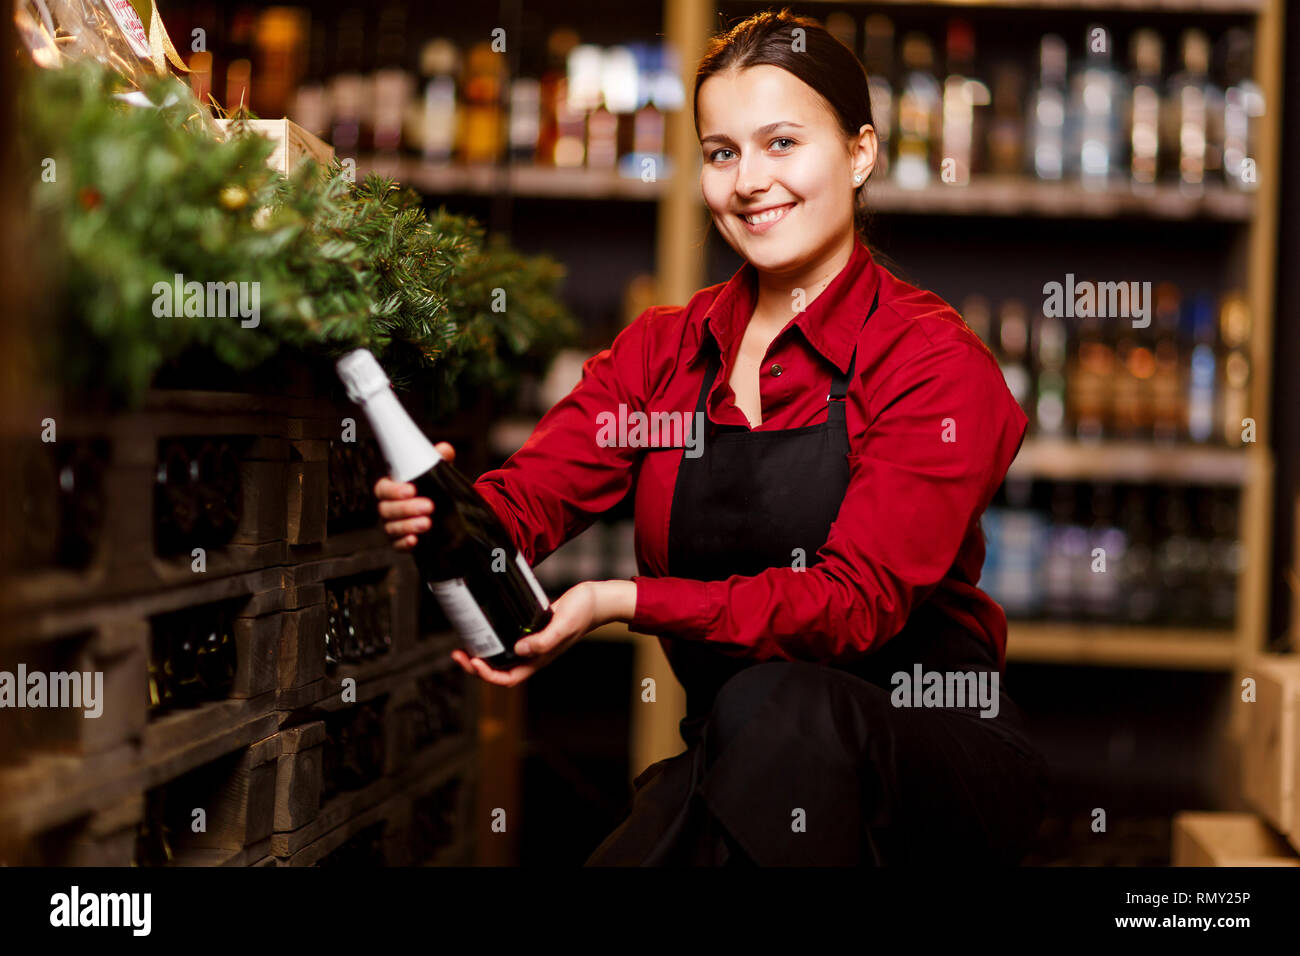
(1269, 750)
(292, 143)
(1228, 839)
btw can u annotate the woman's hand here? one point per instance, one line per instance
(406, 516)
(579, 610)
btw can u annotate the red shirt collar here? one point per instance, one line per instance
(830, 323)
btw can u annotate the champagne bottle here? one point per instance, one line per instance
(471, 565)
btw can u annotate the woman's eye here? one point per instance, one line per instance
(714, 155)
(783, 139)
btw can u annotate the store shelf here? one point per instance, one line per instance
(1021, 196)
(1105, 645)
(1065, 460)
(518, 179)
(1143, 6)
(986, 196)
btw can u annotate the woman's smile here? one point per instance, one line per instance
(762, 221)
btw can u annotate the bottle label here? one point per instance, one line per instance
(532, 581)
(467, 617)
(132, 28)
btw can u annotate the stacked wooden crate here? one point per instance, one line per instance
(261, 773)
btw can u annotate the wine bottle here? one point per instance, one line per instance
(467, 559)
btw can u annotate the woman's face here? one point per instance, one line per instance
(770, 140)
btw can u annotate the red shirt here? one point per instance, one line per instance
(932, 428)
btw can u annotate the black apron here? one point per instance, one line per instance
(755, 500)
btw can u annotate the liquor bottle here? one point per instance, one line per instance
(1141, 597)
(1169, 414)
(1050, 353)
(1107, 547)
(280, 38)
(878, 58)
(1202, 391)
(1131, 392)
(391, 82)
(239, 52)
(1013, 353)
(176, 507)
(1006, 137)
(1234, 334)
(1047, 107)
(962, 124)
(311, 105)
(1067, 559)
(1144, 114)
(920, 104)
(484, 85)
(1092, 380)
(1225, 555)
(525, 117)
(350, 87)
(646, 158)
(1243, 105)
(553, 94)
(468, 559)
(439, 64)
(1190, 99)
(1097, 105)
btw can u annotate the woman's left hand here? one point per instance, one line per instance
(574, 613)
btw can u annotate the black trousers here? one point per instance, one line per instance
(803, 764)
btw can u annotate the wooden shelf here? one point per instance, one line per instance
(1142, 6)
(520, 179)
(1066, 460)
(1022, 196)
(1105, 645)
(983, 196)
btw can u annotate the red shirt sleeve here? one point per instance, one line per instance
(562, 479)
(943, 431)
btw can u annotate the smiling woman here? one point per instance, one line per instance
(822, 535)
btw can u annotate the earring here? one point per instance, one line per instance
(857, 179)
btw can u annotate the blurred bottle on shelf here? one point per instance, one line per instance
(392, 83)
(1167, 392)
(1013, 353)
(1147, 54)
(349, 86)
(1234, 336)
(1047, 110)
(310, 106)
(239, 53)
(525, 118)
(920, 107)
(963, 123)
(1202, 381)
(280, 40)
(1243, 105)
(878, 58)
(436, 141)
(484, 84)
(1091, 380)
(1097, 103)
(1006, 136)
(1191, 99)
(556, 121)
(1050, 355)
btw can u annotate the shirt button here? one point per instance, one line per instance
(776, 369)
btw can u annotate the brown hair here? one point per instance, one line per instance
(825, 64)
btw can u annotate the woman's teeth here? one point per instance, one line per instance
(770, 216)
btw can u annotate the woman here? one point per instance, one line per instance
(815, 550)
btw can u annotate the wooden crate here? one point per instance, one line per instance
(293, 144)
(298, 775)
(1228, 839)
(236, 794)
(126, 558)
(304, 679)
(1271, 748)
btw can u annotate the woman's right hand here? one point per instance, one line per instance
(406, 516)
